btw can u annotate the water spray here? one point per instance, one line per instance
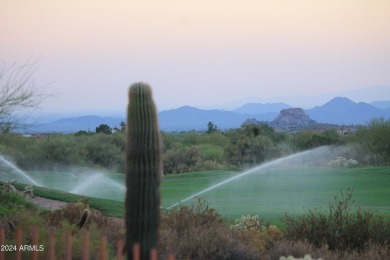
(95, 179)
(19, 171)
(250, 171)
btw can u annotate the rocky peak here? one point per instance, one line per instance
(292, 117)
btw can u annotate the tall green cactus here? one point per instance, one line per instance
(143, 170)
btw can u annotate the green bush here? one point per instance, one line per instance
(105, 151)
(374, 142)
(12, 203)
(211, 152)
(51, 152)
(309, 139)
(181, 160)
(245, 150)
(341, 228)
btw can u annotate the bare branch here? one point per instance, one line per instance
(18, 92)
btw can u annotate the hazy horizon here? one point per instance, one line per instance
(357, 96)
(206, 54)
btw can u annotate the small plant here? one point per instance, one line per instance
(84, 218)
(248, 222)
(8, 187)
(29, 190)
(12, 203)
(341, 162)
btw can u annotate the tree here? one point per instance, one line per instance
(248, 150)
(104, 128)
(122, 126)
(18, 93)
(252, 127)
(211, 128)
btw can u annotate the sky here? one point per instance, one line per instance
(207, 54)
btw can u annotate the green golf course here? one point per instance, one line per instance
(267, 193)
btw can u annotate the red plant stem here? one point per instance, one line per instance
(86, 246)
(119, 249)
(52, 246)
(18, 239)
(153, 254)
(2, 242)
(35, 239)
(68, 246)
(136, 251)
(103, 242)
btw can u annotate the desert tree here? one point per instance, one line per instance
(104, 128)
(19, 94)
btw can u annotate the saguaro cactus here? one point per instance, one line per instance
(143, 170)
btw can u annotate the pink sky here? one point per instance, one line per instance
(195, 52)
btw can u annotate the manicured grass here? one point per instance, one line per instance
(295, 190)
(177, 187)
(108, 207)
(267, 193)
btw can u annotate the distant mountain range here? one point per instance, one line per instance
(75, 124)
(259, 108)
(339, 110)
(344, 111)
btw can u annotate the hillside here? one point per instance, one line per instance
(74, 124)
(189, 118)
(339, 110)
(259, 108)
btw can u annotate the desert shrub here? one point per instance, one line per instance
(256, 233)
(66, 219)
(374, 142)
(71, 213)
(105, 151)
(341, 228)
(112, 228)
(248, 150)
(309, 139)
(252, 144)
(208, 165)
(49, 153)
(342, 162)
(11, 203)
(198, 232)
(61, 222)
(371, 251)
(211, 152)
(297, 250)
(181, 160)
(218, 139)
(249, 222)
